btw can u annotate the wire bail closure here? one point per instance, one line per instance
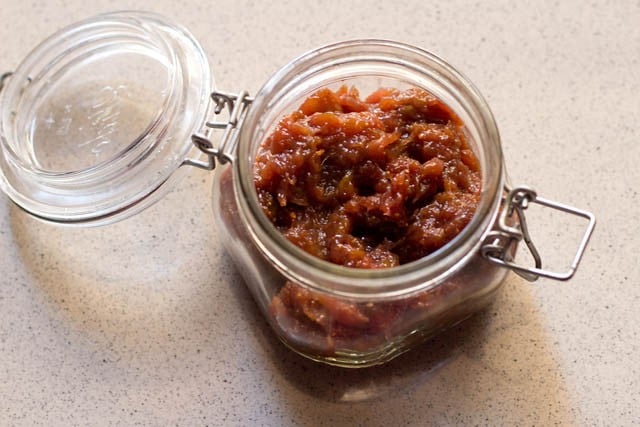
(4, 77)
(499, 244)
(237, 106)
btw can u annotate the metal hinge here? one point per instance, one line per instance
(4, 77)
(499, 245)
(237, 106)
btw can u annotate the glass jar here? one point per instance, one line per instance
(100, 118)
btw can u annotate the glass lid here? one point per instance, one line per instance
(98, 118)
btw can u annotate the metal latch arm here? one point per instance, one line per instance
(499, 244)
(237, 106)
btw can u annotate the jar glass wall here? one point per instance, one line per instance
(342, 315)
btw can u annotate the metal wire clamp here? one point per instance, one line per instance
(237, 106)
(500, 244)
(4, 77)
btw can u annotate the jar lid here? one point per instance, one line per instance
(98, 118)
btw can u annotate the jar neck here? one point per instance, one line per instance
(369, 64)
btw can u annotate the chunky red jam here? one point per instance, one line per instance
(370, 183)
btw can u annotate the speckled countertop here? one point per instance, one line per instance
(148, 322)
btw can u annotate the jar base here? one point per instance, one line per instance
(391, 349)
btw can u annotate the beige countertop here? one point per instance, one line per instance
(148, 322)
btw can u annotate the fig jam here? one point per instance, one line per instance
(364, 183)
(370, 183)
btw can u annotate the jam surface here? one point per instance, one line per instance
(369, 183)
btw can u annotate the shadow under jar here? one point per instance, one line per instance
(114, 167)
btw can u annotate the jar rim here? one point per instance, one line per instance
(302, 267)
